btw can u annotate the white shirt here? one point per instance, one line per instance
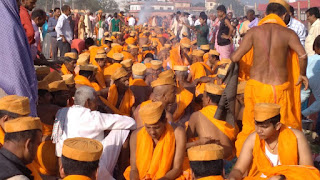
(197, 22)
(313, 33)
(63, 28)
(78, 121)
(131, 21)
(299, 29)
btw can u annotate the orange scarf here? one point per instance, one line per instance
(126, 103)
(108, 71)
(212, 178)
(2, 133)
(127, 55)
(152, 162)
(296, 172)
(184, 98)
(76, 177)
(137, 82)
(84, 81)
(64, 70)
(287, 151)
(46, 161)
(46, 129)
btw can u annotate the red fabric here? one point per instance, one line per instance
(78, 44)
(27, 25)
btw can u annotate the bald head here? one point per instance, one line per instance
(164, 93)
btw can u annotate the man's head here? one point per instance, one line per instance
(212, 94)
(44, 96)
(139, 71)
(206, 160)
(251, 15)
(86, 96)
(230, 15)
(154, 117)
(57, 12)
(88, 71)
(115, 15)
(88, 42)
(203, 18)
(60, 93)
(23, 136)
(29, 4)
(120, 78)
(39, 17)
(101, 59)
(69, 63)
(316, 45)
(13, 106)
(279, 9)
(164, 89)
(66, 10)
(80, 156)
(181, 73)
(221, 11)
(267, 119)
(213, 56)
(197, 55)
(133, 50)
(291, 11)
(312, 14)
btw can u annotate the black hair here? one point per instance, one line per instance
(55, 9)
(292, 10)
(74, 167)
(251, 11)
(100, 59)
(51, 11)
(214, 98)
(274, 120)
(163, 117)
(178, 12)
(203, 16)
(85, 73)
(74, 50)
(21, 136)
(222, 8)
(202, 12)
(64, 8)
(316, 43)
(207, 168)
(314, 11)
(7, 113)
(276, 8)
(115, 15)
(65, 59)
(38, 13)
(149, 55)
(42, 92)
(89, 42)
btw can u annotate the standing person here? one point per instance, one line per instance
(52, 31)
(296, 26)
(87, 23)
(101, 25)
(224, 35)
(313, 17)
(22, 138)
(81, 28)
(184, 29)
(38, 17)
(17, 71)
(64, 32)
(115, 23)
(25, 18)
(275, 76)
(131, 22)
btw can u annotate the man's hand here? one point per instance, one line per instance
(206, 140)
(304, 80)
(64, 39)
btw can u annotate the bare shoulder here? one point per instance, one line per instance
(179, 131)
(135, 132)
(299, 134)
(194, 116)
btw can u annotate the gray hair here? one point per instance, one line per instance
(84, 93)
(138, 76)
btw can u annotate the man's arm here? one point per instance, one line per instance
(113, 121)
(134, 173)
(244, 47)
(244, 160)
(27, 25)
(227, 22)
(303, 149)
(179, 155)
(295, 45)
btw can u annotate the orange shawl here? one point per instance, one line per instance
(130, 40)
(197, 71)
(152, 162)
(137, 82)
(287, 151)
(184, 98)
(76, 177)
(212, 178)
(108, 71)
(84, 81)
(126, 103)
(127, 55)
(64, 70)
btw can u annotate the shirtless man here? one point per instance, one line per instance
(271, 145)
(202, 123)
(146, 144)
(269, 75)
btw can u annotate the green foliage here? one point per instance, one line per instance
(237, 6)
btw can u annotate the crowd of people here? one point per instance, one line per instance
(216, 97)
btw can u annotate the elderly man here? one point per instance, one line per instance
(22, 138)
(82, 120)
(157, 149)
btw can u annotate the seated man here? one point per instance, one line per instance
(69, 63)
(157, 150)
(22, 138)
(127, 65)
(137, 84)
(11, 107)
(108, 71)
(80, 158)
(271, 145)
(206, 162)
(82, 120)
(202, 123)
(156, 69)
(60, 93)
(184, 96)
(100, 61)
(86, 77)
(120, 95)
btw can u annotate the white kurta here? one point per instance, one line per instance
(77, 121)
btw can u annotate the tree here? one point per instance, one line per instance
(237, 7)
(109, 6)
(199, 4)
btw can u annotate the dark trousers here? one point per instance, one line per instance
(64, 47)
